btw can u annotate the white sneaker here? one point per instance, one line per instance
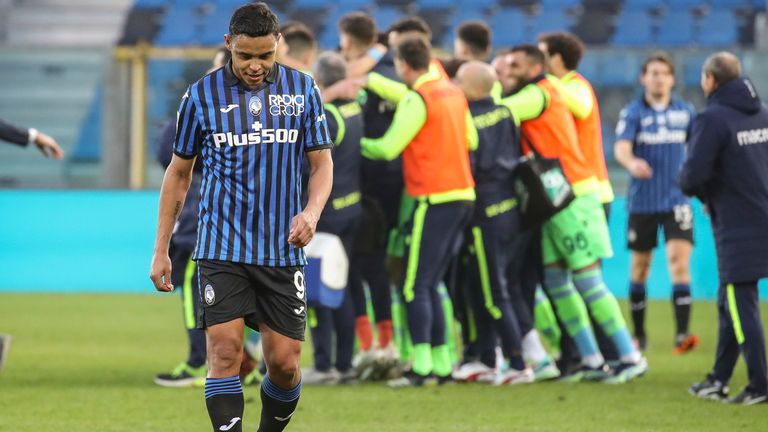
(545, 371)
(312, 376)
(473, 371)
(514, 376)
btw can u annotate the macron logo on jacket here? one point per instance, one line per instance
(752, 136)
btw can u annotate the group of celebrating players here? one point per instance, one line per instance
(503, 279)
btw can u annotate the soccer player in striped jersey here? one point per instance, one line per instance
(652, 135)
(251, 122)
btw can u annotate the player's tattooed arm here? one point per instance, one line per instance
(304, 224)
(176, 182)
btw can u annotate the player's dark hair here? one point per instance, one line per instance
(411, 24)
(360, 26)
(659, 57)
(568, 45)
(452, 65)
(383, 38)
(414, 51)
(253, 20)
(533, 53)
(476, 35)
(299, 38)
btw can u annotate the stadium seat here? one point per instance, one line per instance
(437, 4)
(386, 16)
(684, 5)
(310, 4)
(633, 28)
(214, 26)
(726, 33)
(622, 69)
(353, 4)
(691, 73)
(548, 5)
(589, 66)
(731, 4)
(469, 5)
(509, 27)
(551, 21)
(180, 26)
(642, 5)
(676, 28)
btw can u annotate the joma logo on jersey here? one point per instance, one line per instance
(290, 105)
(258, 136)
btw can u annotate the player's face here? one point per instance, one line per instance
(252, 57)
(501, 64)
(658, 79)
(521, 69)
(346, 46)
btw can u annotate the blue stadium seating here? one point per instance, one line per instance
(386, 16)
(691, 73)
(642, 5)
(622, 70)
(548, 5)
(180, 26)
(726, 33)
(676, 28)
(467, 5)
(633, 28)
(556, 20)
(684, 5)
(509, 27)
(310, 4)
(437, 4)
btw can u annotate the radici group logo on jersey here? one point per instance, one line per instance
(286, 104)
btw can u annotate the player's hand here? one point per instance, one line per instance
(302, 229)
(160, 272)
(345, 89)
(48, 146)
(640, 169)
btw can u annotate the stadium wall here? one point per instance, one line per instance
(101, 241)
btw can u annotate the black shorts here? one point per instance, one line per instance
(274, 296)
(643, 229)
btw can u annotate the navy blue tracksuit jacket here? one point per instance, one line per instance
(727, 169)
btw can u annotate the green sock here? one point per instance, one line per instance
(606, 310)
(573, 313)
(545, 321)
(441, 360)
(422, 359)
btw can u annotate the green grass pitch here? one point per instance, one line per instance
(86, 363)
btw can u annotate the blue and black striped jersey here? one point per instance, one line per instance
(659, 137)
(252, 142)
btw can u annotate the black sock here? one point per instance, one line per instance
(277, 406)
(224, 399)
(637, 306)
(681, 297)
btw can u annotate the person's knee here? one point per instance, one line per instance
(641, 263)
(283, 367)
(225, 352)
